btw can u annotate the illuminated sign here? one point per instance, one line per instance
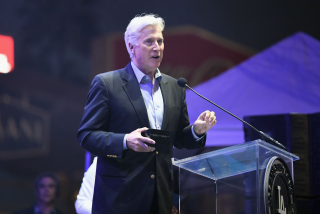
(6, 54)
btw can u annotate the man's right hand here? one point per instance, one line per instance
(137, 142)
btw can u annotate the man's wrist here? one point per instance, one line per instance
(197, 137)
(124, 143)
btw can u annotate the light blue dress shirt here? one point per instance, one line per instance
(153, 99)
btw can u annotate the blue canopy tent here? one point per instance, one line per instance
(284, 78)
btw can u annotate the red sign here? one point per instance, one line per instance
(6, 54)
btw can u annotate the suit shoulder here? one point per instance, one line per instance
(169, 78)
(172, 81)
(109, 76)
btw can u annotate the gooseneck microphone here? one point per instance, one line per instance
(182, 82)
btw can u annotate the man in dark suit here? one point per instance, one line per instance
(132, 176)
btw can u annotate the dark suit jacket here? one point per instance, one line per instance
(115, 107)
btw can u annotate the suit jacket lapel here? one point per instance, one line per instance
(132, 88)
(166, 97)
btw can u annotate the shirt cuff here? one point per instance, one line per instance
(125, 143)
(195, 136)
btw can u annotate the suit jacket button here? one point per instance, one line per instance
(157, 152)
(152, 176)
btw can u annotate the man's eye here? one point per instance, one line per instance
(148, 41)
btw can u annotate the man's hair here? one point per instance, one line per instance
(47, 175)
(135, 26)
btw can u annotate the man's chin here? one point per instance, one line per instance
(155, 65)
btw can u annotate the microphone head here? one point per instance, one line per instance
(182, 82)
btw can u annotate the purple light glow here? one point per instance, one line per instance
(284, 78)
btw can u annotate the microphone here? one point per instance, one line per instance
(182, 82)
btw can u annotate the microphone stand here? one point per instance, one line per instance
(263, 135)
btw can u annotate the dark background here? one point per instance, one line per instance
(53, 66)
(53, 37)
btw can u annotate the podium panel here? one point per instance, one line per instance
(236, 180)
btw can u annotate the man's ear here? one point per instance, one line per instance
(131, 46)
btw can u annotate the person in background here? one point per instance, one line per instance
(46, 188)
(83, 203)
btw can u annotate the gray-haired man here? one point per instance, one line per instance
(132, 176)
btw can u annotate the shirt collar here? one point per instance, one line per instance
(139, 74)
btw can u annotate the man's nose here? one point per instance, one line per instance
(156, 46)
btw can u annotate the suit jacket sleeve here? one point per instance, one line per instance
(93, 132)
(184, 136)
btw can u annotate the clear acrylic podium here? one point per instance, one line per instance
(230, 180)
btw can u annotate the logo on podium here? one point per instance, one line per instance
(279, 192)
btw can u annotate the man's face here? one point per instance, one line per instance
(46, 191)
(148, 53)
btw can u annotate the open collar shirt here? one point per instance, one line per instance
(152, 96)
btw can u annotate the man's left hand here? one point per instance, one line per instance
(204, 122)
